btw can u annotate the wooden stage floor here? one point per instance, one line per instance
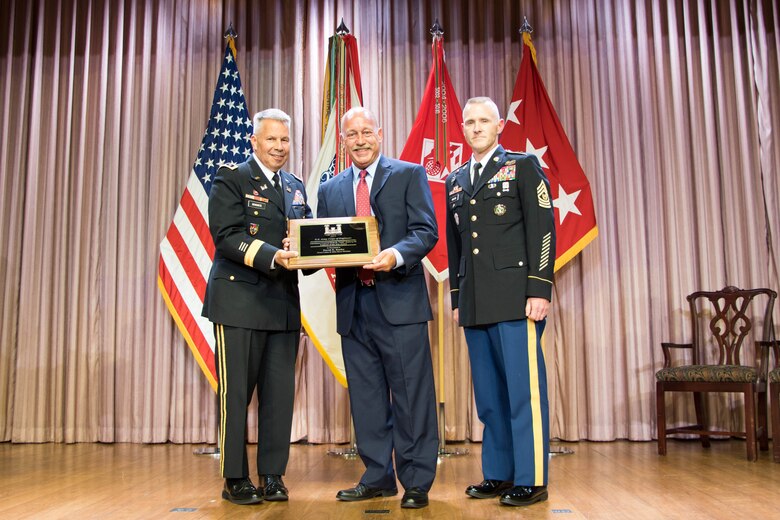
(615, 480)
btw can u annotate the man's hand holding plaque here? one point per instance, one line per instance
(337, 242)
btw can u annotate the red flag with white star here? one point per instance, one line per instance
(532, 126)
(436, 141)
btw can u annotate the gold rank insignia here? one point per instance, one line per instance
(543, 196)
(253, 228)
(499, 209)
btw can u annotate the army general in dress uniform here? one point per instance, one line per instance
(253, 302)
(501, 247)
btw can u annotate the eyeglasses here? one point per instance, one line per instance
(365, 134)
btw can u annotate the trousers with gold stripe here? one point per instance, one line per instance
(249, 359)
(510, 389)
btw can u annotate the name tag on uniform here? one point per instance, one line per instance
(255, 204)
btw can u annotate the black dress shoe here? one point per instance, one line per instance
(488, 488)
(524, 495)
(273, 488)
(414, 498)
(363, 492)
(241, 491)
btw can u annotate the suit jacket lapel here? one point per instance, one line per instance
(463, 179)
(347, 195)
(490, 169)
(286, 190)
(383, 170)
(264, 186)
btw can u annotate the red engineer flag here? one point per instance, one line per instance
(187, 250)
(436, 141)
(532, 126)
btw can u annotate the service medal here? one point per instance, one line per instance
(253, 229)
(499, 209)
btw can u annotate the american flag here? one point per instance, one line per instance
(187, 250)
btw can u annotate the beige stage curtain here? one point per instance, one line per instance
(672, 108)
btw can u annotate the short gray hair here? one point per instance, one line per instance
(359, 111)
(484, 100)
(270, 113)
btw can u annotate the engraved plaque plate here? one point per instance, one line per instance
(333, 242)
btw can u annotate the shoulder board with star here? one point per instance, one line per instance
(229, 166)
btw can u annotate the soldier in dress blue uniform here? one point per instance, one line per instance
(252, 300)
(501, 247)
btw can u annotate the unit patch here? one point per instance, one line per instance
(253, 228)
(543, 196)
(298, 198)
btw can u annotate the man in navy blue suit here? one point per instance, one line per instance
(382, 316)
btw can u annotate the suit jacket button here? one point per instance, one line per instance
(474, 234)
(472, 202)
(257, 213)
(476, 250)
(473, 218)
(232, 277)
(520, 263)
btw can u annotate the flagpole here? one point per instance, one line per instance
(525, 34)
(437, 32)
(213, 451)
(342, 93)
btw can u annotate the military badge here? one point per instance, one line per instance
(505, 186)
(253, 228)
(543, 196)
(510, 162)
(499, 210)
(506, 173)
(255, 197)
(254, 192)
(455, 189)
(298, 198)
(264, 187)
(289, 190)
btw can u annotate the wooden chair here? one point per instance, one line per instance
(729, 316)
(774, 392)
